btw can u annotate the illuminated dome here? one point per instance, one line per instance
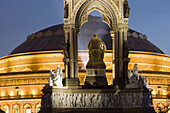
(52, 38)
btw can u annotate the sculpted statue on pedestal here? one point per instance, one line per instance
(136, 81)
(135, 70)
(96, 49)
(56, 77)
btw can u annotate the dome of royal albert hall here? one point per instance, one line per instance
(52, 38)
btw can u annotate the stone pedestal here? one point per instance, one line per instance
(71, 83)
(96, 78)
(96, 101)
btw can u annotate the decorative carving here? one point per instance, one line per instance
(106, 100)
(82, 8)
(160, 81)
(126, 9)
(23, 81)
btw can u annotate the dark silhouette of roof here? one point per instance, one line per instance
(52, 38)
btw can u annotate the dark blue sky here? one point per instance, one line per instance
(20, 18)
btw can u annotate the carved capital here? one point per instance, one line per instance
(121, 28)
(68, 27)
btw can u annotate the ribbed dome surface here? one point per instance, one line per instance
(52, 38)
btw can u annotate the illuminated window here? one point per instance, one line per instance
(16, 109)
(6, 109)
(159, 90)
(28, 110)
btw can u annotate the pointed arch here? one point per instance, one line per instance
(109, 13)
(27, 108)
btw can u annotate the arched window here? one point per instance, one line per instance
(16, 110)
(28, 109)
(6, 109)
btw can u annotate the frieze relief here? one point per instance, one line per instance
(23, 81)
(109, 100)
(159, 81)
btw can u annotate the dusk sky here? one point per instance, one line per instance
(20, 18)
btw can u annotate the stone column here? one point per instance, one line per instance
(33, 108)
(71, 64)
(116, 60)
(125, 55)
(71, 50)
(10, 108)
(76, 35)
(120, 54)
(66, 60)
(22, 110)
(113, 52)
(120, 37)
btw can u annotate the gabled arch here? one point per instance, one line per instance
(110, 16)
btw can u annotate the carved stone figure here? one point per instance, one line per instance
(133, 80)
(143, 82)
(126, 9)
(65, 9)
(136, 81)
(135, 70)
(56, 77)
(51, 76)
(130, 73)
(96, 49)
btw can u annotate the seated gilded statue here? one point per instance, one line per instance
(96, 49)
